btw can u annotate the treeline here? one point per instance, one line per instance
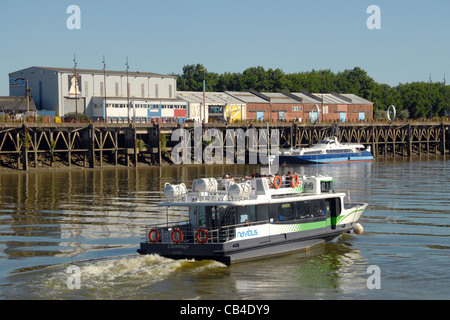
(412, 100)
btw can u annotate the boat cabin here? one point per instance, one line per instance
(220, 209)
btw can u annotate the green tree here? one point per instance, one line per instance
(229, 82)
(192, 79)
(276, 80)
(255, 78)
(355, 81)
(417, 99)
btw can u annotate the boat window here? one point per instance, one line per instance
(318, 208)
(242, 214)
(215, 216)
(312, 209)
(286, 211)
(251, 213)
(340, 151)
(326, 186)
(193, 218)
(228, 215)
(302, 209)
(197, 216)
(243, 218)
(334, 206)
(262, 212)
(246, 214)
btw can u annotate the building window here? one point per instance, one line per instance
(156, 90)
(101, 89)
(117, 89)
(142, 90)
(86, 88)
(170, 91)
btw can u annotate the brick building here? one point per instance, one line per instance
(304, 106)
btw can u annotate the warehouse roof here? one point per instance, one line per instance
(108, 72)
(278, 97)
(218, 98)
(356, 99)
(341, 98)
(16, 104)
(246, 97)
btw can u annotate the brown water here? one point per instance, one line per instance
(93, 219)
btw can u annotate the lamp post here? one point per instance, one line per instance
(204, 95)
(104, 88)
(76, 86)
(128, 93)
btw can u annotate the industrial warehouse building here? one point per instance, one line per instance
(117, 95)
(152, 97)
(220, 106)
(304, 106)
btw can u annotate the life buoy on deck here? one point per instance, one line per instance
(275, 184)
(180, 237)
(150, 235)
(197, 236)
(294, 181)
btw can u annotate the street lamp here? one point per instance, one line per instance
(128, 92)
(104, 88)
(204, 95)
(76, 86)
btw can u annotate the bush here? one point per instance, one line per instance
(72, 116)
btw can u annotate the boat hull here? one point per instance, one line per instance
(248, 249)
(364, 156)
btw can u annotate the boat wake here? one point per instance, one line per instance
(110, 278)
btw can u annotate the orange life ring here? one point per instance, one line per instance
(275, 184)
(294, 177)
(197, 236)
(180, 238)
(150, 235)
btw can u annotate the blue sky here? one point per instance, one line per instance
(230, 36)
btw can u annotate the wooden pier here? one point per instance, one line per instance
(91, 145)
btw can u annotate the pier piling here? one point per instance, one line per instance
(78, 144)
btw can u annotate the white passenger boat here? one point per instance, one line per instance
(329, 150)
(251, 218)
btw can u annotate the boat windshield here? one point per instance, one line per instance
(221, 216)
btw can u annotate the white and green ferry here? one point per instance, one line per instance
(251, 218)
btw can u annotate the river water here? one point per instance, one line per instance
(92, 220)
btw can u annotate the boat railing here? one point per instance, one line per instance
(183, 232)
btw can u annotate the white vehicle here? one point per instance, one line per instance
(251, 218)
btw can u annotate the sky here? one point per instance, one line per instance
(411, 43)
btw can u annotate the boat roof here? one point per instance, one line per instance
(262, 192)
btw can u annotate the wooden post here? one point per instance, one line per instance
(101, 149)
(116, 151)
(91, 152)
(291, 143)
(442, 139)
(25, 159)
(69, 151)
(409, 143)
(35, 149)
(159, 144)
(133, 130)
(374, 151)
